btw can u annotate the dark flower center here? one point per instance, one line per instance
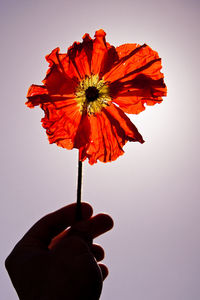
(92, 93)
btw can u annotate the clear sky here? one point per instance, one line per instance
(152, 192)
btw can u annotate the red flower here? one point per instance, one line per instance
(87, 90)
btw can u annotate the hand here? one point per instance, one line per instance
(56, 259)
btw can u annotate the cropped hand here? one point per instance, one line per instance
(56, 259)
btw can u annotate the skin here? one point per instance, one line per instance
(57, 260)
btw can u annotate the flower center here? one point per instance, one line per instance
(92, 93)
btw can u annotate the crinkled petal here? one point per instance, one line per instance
(36, 95)
(103, 55)
(92, 56)
(125, 129)
(61, 76)
(132, 95)
(61, 122)
(80, 55)
(99, 50)
(82, 137)
(110, 130)
(103, 144)
(132, 57)
(136, 78)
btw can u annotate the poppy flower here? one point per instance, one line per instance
(88, 91)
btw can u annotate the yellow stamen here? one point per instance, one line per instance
(97, 100)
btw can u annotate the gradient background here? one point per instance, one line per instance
(152, 192)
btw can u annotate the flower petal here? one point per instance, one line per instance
(124, 128)
(61, 77)
(130, 58)
(132, 95)
(103, 145)
(103, 55)
(82, 137)
(80, 55)
(92, 56)
(136, 78)
(110, 130)
(61, 122)
(36, 95)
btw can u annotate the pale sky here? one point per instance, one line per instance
(152, 191)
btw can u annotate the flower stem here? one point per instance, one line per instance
(79, 184)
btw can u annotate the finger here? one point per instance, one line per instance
(93, 227)
(104, 271)
(98, 252)
(70, 247)
(85, 229)
(54, 223)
